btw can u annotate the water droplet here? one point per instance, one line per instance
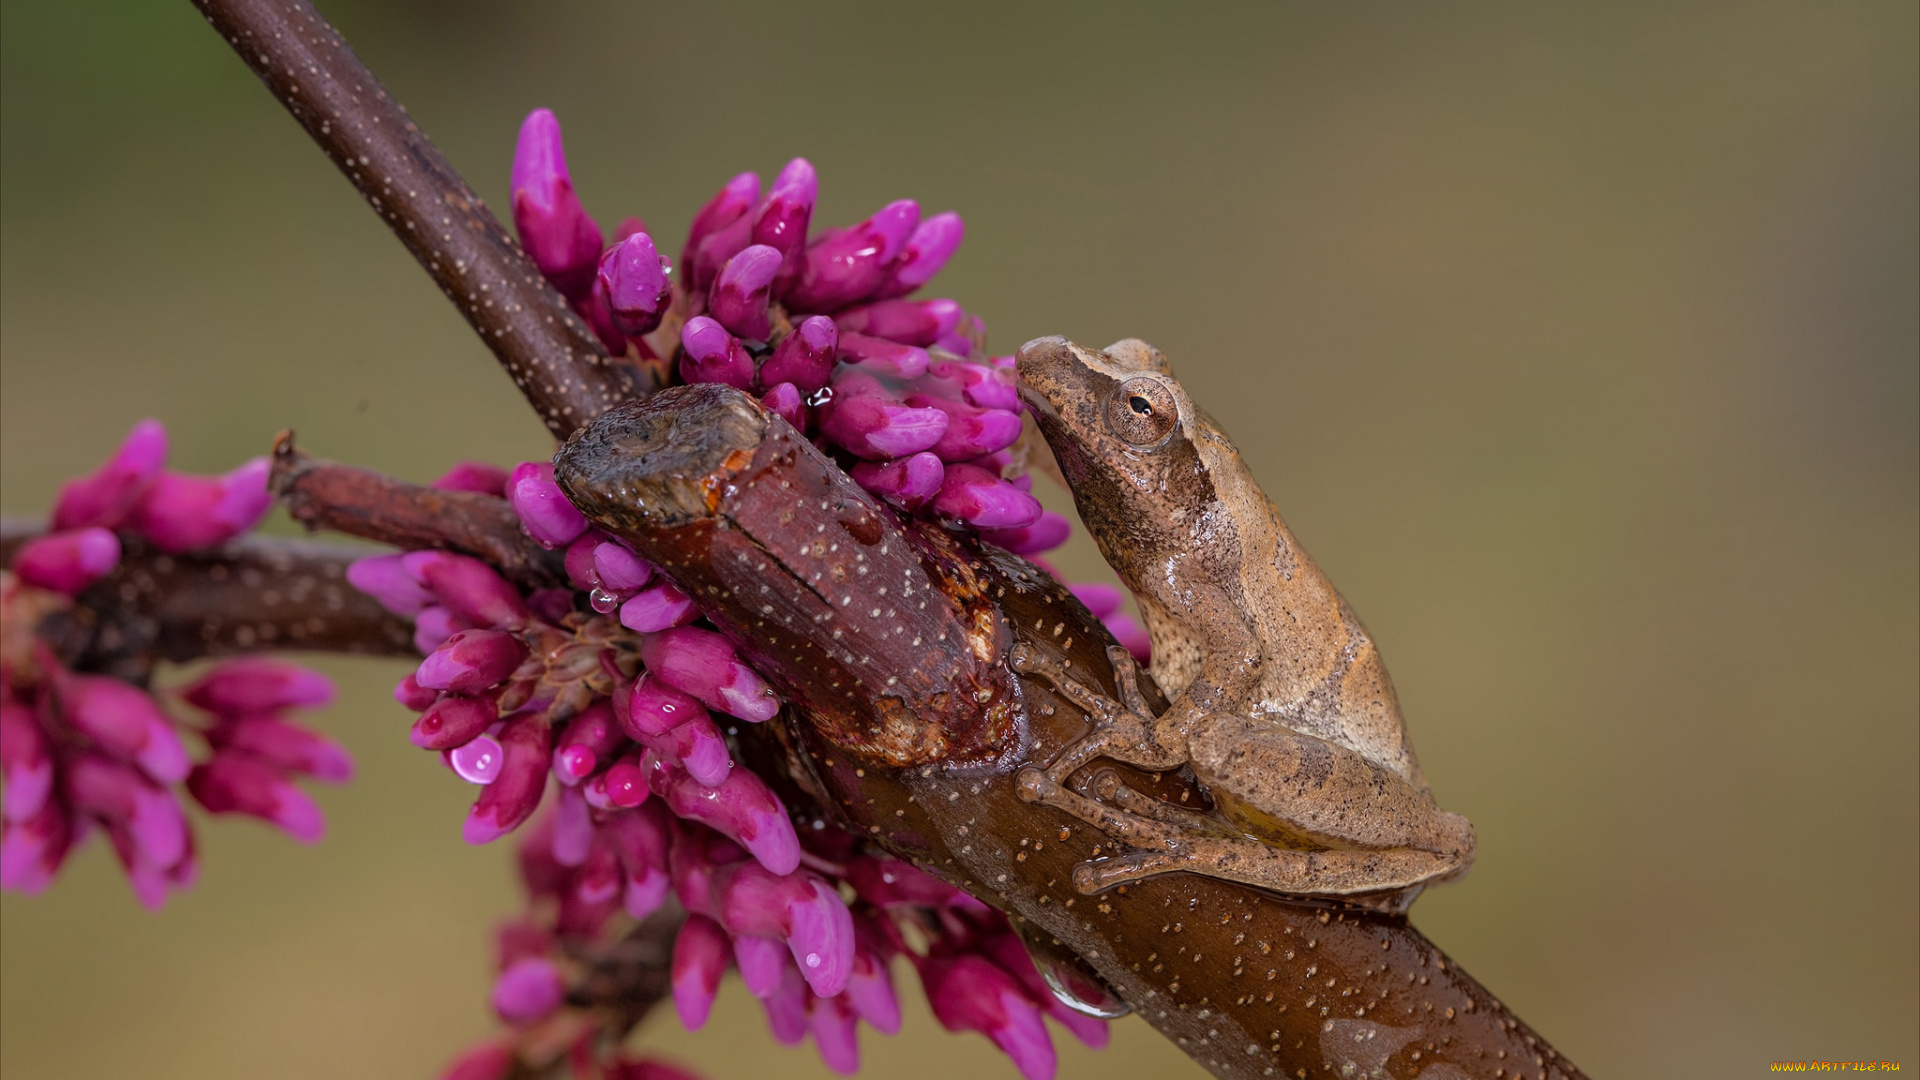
(603, 601)
(820, 397)
(478, 762)
(813, 959)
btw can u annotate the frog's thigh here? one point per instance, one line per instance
(1317, 789)
(1302, 873)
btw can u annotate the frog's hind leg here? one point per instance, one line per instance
(1110, 788)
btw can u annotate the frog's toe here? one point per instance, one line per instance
(1086, 880)
(1023, 658)
(1034, 785)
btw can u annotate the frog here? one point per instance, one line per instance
(1279, 703)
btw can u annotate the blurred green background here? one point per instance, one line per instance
(1578, 342)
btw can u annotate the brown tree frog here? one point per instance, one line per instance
(1280, 703)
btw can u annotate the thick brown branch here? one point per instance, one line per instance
(373, 506)
(914, 743)
(253, 594)
(549, 352)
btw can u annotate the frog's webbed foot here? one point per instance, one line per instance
(1125, 729)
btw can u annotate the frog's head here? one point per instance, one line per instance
(1121, 427)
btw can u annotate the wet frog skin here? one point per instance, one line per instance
(1280, 703)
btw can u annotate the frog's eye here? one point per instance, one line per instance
(1142, 412)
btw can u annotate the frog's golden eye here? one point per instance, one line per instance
(1142, 412)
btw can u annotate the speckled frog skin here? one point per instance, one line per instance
(1280, 702)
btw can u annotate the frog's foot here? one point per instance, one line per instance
(1108, 787)
(1027, 660)
(1368, 876)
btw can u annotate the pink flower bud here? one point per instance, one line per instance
(433, 626)
(925, 253)
(710, 354)
(528, 990)
(730, 205)
(910, 322)
(126, 723)
(32, 850)
(108, 496)
(700, 954)
(805, 357)
(787, 1008)
(572, 828)
(1131, 636)
(657, 607)
(741, 808)
(554, 228)
(799, 908)
(285, 746)
(385, 578)
(651, 707)
(983, 500)
(783, 400)
(874, 426)
(471, 661)
(848, 266)
(67, 562)
(1101, 600)
(697, 746)
(256, 684)
(906, 482)
(474, 476)
(968, 992)
(633, 284)
(781, 222)
(589, 738)
(638, 839)
(453, 721)
(487, 1061)
(981, 384)
(26, 763)
(703, 664)
(834, 1026)
(412, 696)
(618, 568)
(233, 783)
(738, 300)
(515, 792)
(971, 431)
(883, 357)
(762, 962)
(1045, 534)
(870, 991)
(468, 588)
(543, 508)
(183, 512)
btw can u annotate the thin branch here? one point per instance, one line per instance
(552, 356)
(254, 594)
(890, 637)
(360, 502)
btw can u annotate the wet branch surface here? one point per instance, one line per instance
(252, 594)
(552, 356)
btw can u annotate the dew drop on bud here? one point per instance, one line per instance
(478, 762)
(603, 601)
(820, 397)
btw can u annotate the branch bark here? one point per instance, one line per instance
(551, 354)
(889, 638)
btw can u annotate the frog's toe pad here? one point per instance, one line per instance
(1033, 785)
(1086, 880)
(1023, 658)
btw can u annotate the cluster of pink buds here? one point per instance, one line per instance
(81, 751)
(823, 329)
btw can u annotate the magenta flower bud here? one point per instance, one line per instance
(515, 792)
(67, 562)
(477, 477)
(657, 607)
(883, 357)
(26, 763)
(710, 354)
(554, 228)
(619, 569)
(183, 512)
(1045, 534)
(983, 500)
(599, 318)
(543, 508)
(703, 664)
(798, 907)
(621, 787)
(1006, 949)
(385, 578)
(579, 560)
(700, 955)
(488, 1061)
(453, 721)
(907, 482)
(910, 322)
(116, 794)
(805, 357)
(762, 962)
(781, 222)
(126, 723)
(571, 832)
(1101, 600)
(697, 746)
(237, 784)
(471, 661)
(31, 851)
(784, 400)
(724, 209)
(834, 1026)
(933, 242)
(287, 747)
(479, 761)
(529, 990)
(873, 426)
(433, 626)
(738, 300)
(412, 696)
(599, 881)
(257, 684)
(982, 384)
(968, 992)
(971, 431)
(845, 267)
(870, 992)
(887, 882)
(633, 284)
(470, 589)
(638, 840)
(1131, 636)
(742, 809)
(589, 738)
(787, 1008)
(652, 707)
(108, 496)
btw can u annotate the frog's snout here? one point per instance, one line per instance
(1048, 367)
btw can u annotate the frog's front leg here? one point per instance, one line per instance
(1123, 730)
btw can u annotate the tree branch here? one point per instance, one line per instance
(360, 502)
(552, 356)
(252, 594)
(889, 638)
